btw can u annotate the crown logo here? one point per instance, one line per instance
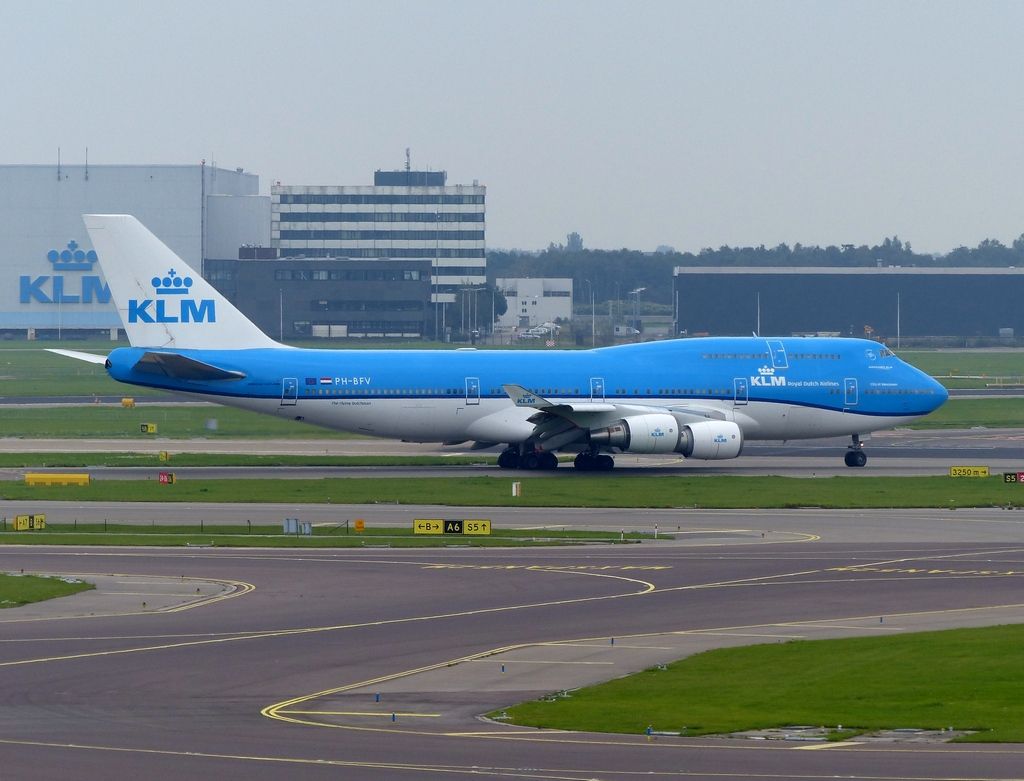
(766, 371)
(72, 258)
(172, 284)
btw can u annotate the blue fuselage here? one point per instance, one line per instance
(774, 388)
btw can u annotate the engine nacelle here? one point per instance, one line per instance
(711, 441)
(661, 433)
(654, 433)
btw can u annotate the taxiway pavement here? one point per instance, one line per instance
(279, 677)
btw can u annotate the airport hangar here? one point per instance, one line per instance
(928, 306)
(364, 260)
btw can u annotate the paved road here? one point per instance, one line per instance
(280, 677)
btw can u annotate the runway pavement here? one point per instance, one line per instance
(280, 677)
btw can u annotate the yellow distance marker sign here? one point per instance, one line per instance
(968, 471)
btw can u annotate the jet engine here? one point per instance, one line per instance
(661, 433)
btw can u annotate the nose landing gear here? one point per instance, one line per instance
(855, 455)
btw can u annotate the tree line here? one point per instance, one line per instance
(614, 273)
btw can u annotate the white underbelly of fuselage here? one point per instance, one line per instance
(497, 420)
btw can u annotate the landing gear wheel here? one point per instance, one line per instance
(585, 462)
(530, 461)
(605, 463)
(856, 458)
(509, 458)
(548, 461)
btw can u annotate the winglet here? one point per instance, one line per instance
(521, 397)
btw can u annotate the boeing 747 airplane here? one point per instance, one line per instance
(700, 398)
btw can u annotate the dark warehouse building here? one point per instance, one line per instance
(885, 302)
(302, 298)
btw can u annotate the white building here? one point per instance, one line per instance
(49, 279)
(404, 215)
(533, 302)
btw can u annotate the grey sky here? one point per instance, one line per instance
(636, 124)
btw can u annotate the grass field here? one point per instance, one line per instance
(979, 363)
(717, 491)
(964, 678)
(333, 535)
(143, 460)
(24, 589)
(967, 413)
(173, 422)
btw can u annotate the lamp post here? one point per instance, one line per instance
(593, 321)
(636, 305)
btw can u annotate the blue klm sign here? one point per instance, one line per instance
(59, 289)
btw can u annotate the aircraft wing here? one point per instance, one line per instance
(182, 367)
(559, 424)
(590, 413)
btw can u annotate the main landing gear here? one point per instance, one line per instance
(855, 455)
(510, 458)
(593, 462)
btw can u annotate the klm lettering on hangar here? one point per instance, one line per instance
(61, 289)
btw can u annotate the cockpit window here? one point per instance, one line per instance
(887, 353)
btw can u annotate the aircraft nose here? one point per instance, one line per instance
(939, 391)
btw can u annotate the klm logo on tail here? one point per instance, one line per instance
(172, 304)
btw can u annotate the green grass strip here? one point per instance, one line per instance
(18, 590)
(85, 460)
(712, 491)
(963, 678)
(966, 413)
(334, 535)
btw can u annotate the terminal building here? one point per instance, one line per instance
(404, 215)
(888, 302)
(350, 261)
(535, 301)
(50, 284)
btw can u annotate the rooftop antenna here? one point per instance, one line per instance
(87, 164)
(58, 164)
(408, 161)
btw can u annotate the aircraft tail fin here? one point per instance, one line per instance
(162, 301)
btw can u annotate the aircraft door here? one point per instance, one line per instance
(597, 389)
(739, 386)
(777, 350)
(289, 391)
(850, 384)
(472, 390)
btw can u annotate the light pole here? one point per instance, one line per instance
(593, 321)
(636, 305)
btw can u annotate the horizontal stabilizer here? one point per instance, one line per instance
(90, 357)
(181, 367)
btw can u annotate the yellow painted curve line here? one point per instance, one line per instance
(238, 588)
(647, 588)
(280, 711)
(286, 712)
